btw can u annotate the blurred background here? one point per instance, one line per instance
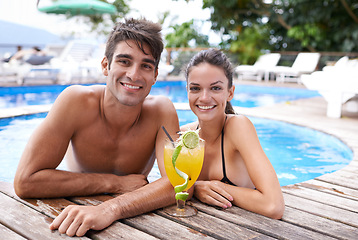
(244, 29)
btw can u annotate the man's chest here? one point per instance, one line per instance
(125, 154)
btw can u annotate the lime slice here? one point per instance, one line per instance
(191, 139)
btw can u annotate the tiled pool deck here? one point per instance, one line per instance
(323, 208)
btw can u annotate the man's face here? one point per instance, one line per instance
(132, 73)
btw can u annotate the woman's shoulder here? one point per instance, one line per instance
(189, 126)
(238, 120)
(238, 124)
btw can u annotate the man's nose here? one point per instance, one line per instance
(133, 72)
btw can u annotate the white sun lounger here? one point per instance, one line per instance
(304, 63)
(336, 84)
(261, 68)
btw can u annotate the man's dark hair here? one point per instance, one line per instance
(142, 32)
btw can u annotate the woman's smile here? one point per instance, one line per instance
(203, 107)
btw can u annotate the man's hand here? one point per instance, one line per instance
(213, 193)
(130, 183)
(77, 220)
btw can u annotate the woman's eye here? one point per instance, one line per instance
(216, 88)
(194, 88)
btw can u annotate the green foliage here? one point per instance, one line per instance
(291, 25)
(249, 42)
(307, 34)
(183, 34)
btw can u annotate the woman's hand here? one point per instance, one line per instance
(213, 193)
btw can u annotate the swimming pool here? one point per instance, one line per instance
(297, 153)
(245, 95)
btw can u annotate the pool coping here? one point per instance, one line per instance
(25, 110)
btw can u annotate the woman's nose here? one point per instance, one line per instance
(205, 95)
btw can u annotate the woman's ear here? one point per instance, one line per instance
(105, 66)
(231, 93)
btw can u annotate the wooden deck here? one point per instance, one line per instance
(322, 208)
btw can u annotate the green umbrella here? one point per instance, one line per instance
(79, 7)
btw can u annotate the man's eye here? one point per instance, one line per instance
(123, 61)
(147, 66)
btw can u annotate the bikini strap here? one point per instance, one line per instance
(222, 152)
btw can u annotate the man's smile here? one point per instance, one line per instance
(130, 86)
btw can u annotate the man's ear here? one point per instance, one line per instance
(155, 76)
(105, 66)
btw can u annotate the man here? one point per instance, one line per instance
(112, 133)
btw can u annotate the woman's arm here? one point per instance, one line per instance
(267, 199)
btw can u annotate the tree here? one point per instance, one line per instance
(291, 25)
(185, 33)
(183, 36)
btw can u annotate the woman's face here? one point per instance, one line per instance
(208, 91)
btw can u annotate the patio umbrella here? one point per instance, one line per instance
(79, 7)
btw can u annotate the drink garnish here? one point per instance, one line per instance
(189, 139)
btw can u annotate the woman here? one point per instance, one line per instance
(236, 170)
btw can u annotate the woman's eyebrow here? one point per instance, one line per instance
(193, 83)
(216, 82)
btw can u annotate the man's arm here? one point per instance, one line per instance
(77, 220)
(37, 177)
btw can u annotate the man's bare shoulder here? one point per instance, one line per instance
(159, 102)
(76, 101)
(159, 108)
(78, 95)
(83, 91)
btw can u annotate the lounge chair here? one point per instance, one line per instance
(72, 62)
(304, 63)
(260, 69)
(337, 84)
(164, 70)
(10, 72)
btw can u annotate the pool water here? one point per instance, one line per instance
(245, 95)
(297, 153)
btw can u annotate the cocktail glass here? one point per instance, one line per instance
(189, 161)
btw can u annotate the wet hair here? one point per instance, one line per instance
(142, 32)
(217, 58)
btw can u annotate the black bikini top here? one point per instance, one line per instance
(225, 179)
